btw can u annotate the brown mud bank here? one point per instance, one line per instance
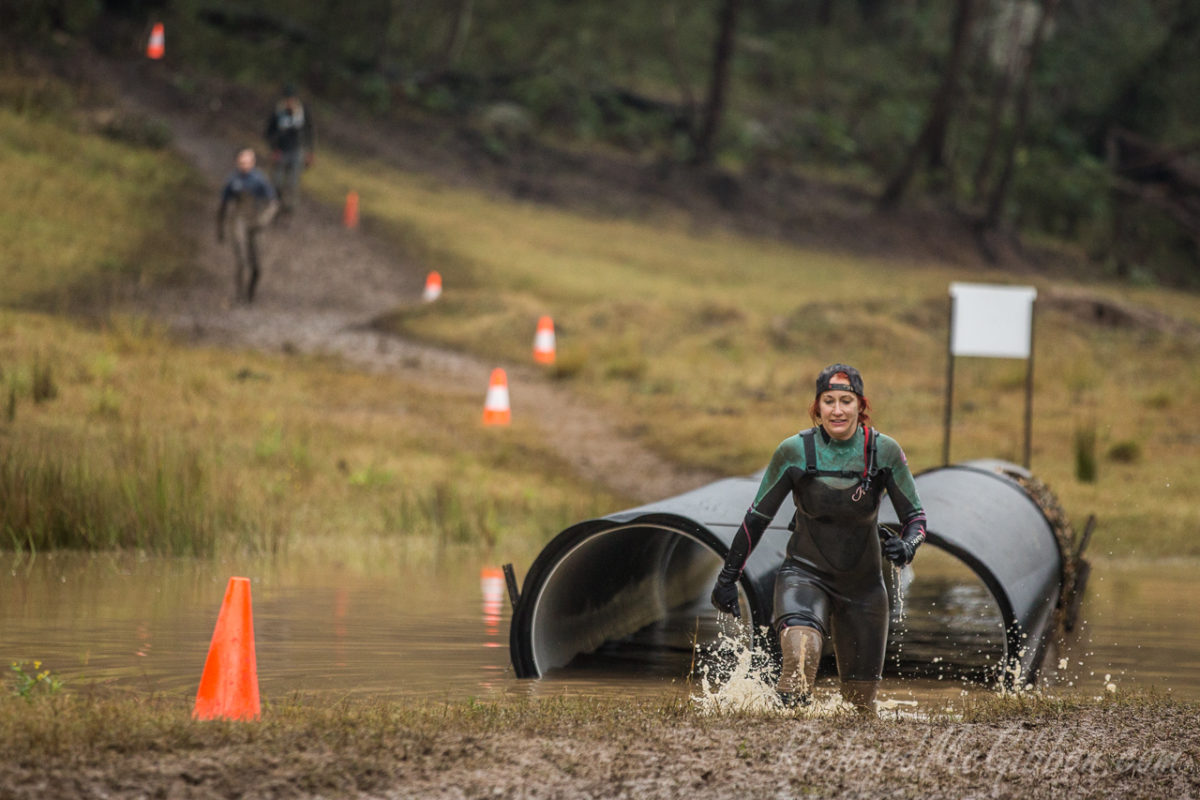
(1133, 747)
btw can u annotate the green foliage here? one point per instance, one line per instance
(137, 495)
(31, 681)
(1085, 454)
(848, 95)
(1064, 193)
(44, 387)
(1125, 452)
(137, 130)
(43, 18)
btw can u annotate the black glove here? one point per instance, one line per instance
(900, 549)
(725, 593)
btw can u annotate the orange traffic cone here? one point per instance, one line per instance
(491, 583)
(229, 685)
(433, 287)
(350, 215)
(157, 44)
(495, 407)
(544, 342)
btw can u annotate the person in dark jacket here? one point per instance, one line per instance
(831, 581)
(291, 136)
(248, 204)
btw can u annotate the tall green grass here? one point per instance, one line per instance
(169, 449)
(52, 496)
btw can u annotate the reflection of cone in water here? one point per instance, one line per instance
(157, 44)
(543, 341)
(433, 287)
(495, 408)
(491, 583)
(350, 215)
(229, 685)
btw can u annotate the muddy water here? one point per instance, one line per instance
(442, 634)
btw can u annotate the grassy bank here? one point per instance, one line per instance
(706, 344)
(112, 435)
(256, 452)
(84, 213)
(1129, 746)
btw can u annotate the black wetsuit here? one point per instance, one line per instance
(291, 135)
(832, 576)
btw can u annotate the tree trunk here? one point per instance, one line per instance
(999, 105)
(995, 207)
(383, 46)
(825, 13)
(1142, 105)
(456, 38)
(931, 144)
(870, 11)
(714, 107)
(675, 60)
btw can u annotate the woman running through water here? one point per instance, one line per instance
(831, 581)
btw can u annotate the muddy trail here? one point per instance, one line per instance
(1106, 751)
(323, 285)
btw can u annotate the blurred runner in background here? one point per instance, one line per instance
(291, 136)
(251, 199)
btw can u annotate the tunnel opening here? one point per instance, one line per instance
(945, 622)
(629, 597)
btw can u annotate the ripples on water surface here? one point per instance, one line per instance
(442, 634)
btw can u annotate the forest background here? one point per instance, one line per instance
(1066, 123)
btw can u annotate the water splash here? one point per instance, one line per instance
(736, 677)
(901, 578)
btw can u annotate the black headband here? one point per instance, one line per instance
(829, 374)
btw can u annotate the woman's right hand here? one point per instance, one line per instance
(725, 597)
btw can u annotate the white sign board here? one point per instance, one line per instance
(992, 321)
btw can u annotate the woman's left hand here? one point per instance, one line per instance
(898, 551)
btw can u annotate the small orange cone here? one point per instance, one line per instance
(157, 44)
(350, 215)
(491, 583)
(544, 342)
(433, 287)
(229, 685)
(495, 408)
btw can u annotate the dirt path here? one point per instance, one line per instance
(323, 285)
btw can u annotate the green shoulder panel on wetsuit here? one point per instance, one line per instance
(776, 483)
(900, 485)
(788, 465)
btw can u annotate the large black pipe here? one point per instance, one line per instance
(604, 580)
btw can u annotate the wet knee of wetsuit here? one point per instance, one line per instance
(860, 628)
